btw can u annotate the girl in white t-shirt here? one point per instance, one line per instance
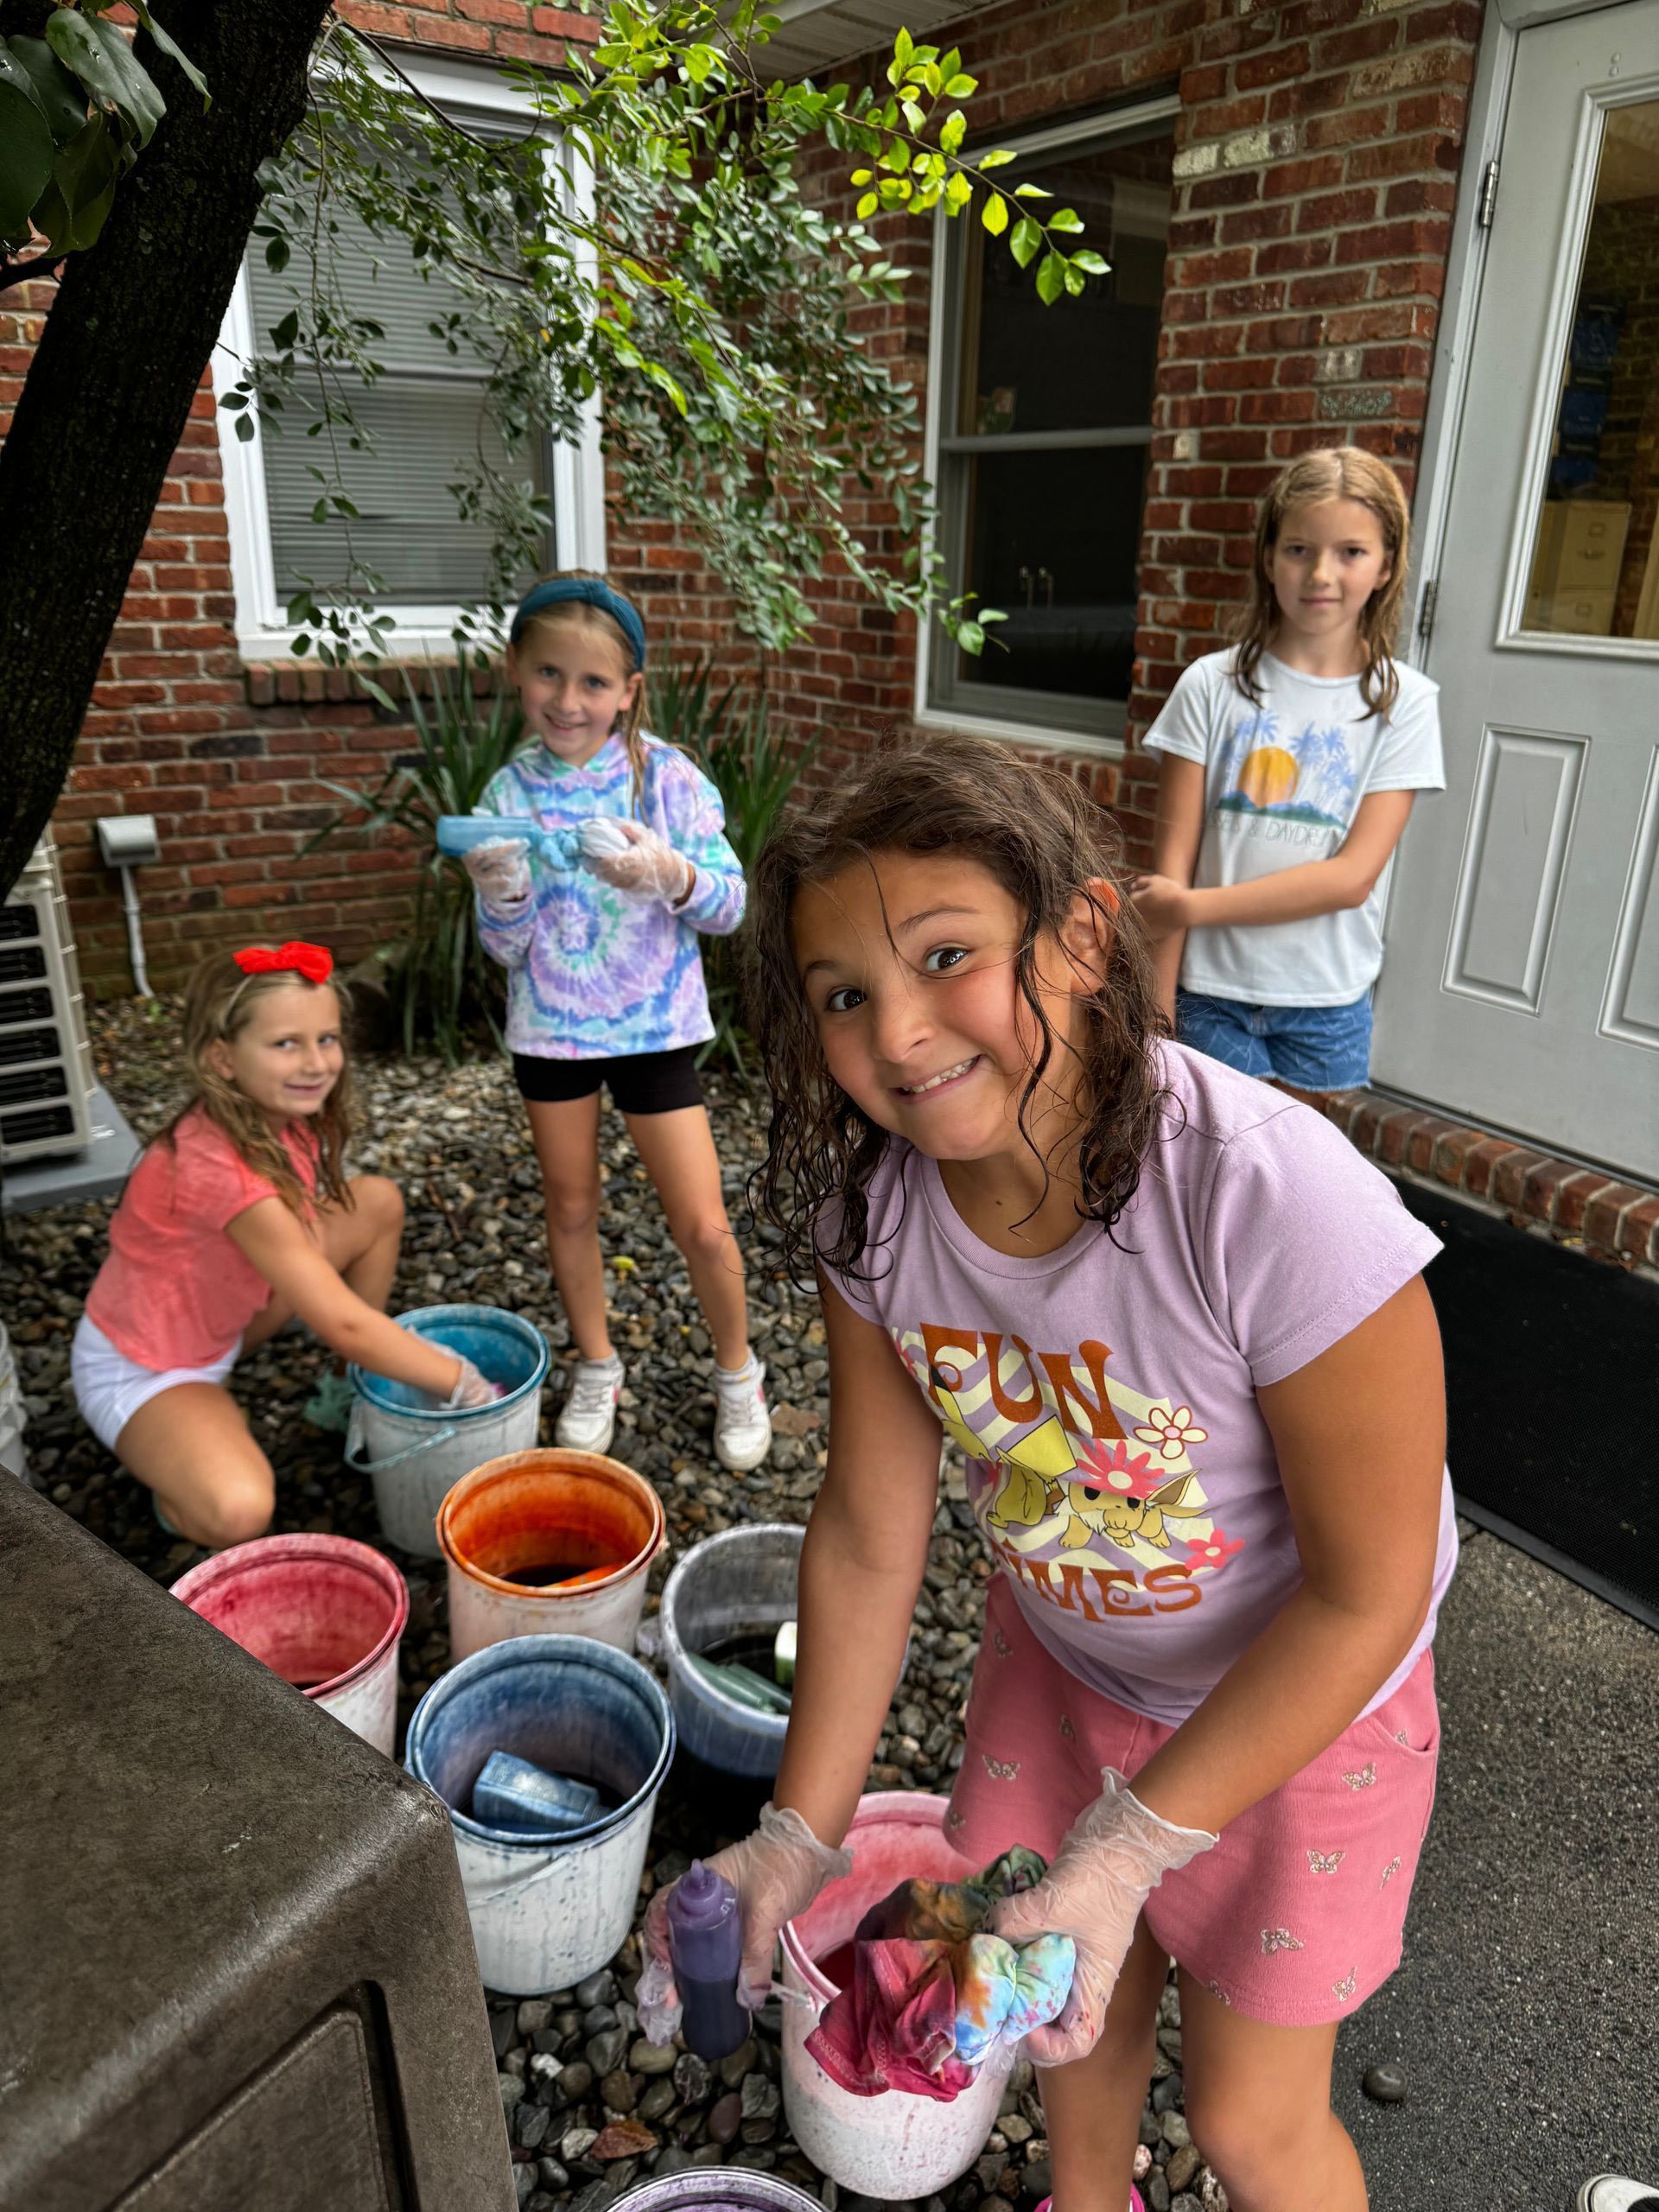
(1290, 764)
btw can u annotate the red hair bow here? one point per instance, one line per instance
(315, 962)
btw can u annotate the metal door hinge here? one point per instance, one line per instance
(1426, 611)
(1488, 207)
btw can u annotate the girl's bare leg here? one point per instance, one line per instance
(1092, 2108)
(191, 1445)
(566, 1136)
(678, 1151)
(1258, 2102)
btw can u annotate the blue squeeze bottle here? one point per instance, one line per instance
(705, 1934)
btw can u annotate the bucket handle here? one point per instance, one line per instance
(361, 1466)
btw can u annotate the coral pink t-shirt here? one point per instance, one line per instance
(175, 1291)
(1118, 1462)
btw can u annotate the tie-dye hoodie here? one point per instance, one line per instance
(592, 975)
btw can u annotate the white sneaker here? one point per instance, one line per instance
(586, 1420)
(1612, 2193)
(742, 1425)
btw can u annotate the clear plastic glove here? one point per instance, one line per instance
(634, 861)
(471, 1390)
(1116, 1855)
(501, 871)
(777, 1873)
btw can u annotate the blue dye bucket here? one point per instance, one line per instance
(548, 1909)
(415, 1452)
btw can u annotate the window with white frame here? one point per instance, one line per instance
(1040, 428)
(429, 426)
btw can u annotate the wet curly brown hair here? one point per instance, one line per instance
(1046, 842)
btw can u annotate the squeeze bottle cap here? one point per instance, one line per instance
(702, 1899)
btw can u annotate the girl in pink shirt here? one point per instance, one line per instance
(1178, 1329)
(239, 1216)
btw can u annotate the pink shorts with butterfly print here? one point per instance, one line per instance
(1296, 1915)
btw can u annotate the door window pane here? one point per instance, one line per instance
(1047, 430)
(1595, 560)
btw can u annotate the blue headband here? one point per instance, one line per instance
(593, 591)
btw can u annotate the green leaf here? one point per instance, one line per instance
(26, 147)
(283, 333)
(866, 206)
(961, 88)
(173, 50)
(61, 99)
(970, 638)
(84, 174)
(1051, 280)
(1075, 280)
(1031, 191)
(951, 131)
(1066, 218)
(998, 158)
(99, 56)
(1090, 263)
(994, 214)
(1026, 241)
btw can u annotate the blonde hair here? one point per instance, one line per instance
(1313, 480)
(219, 1003)
(595, 618)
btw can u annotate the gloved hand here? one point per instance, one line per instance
(471, 1390)
(777, 1873)
(634, 861)
(1116, 1855)
(501, 871)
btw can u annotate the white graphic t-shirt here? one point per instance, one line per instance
(1104, 1394)
(1282, 784)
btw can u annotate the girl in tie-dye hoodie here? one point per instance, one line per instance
(597, 926)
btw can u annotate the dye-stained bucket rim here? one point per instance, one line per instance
(369, 1387)
(674, 1650)
(521, 1651)
(879, 1806)
(723, 2185)
(576, 1463)
(231, 1564)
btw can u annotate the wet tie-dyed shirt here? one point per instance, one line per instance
(592, 975)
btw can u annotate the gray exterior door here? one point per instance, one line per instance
(1521, 982)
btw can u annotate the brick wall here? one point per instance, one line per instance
(227, 757)
(1316, 156)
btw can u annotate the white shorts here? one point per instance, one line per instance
(110, 1388)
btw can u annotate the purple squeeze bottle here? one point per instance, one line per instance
(705, 1934)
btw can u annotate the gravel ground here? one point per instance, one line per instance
(591, 2107)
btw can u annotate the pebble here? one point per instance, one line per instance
(605, 2051)
(1385, 2083)
(618, 2090)
(652, 2057)
(575, 2143)
(1173, 2130)
(533, 2014)
(1183, 2165)
(738, 2063)
(511, 2089)
(1166, 2093)
(551, 2175)
(759, 2098)
(1156, 2191)
(660, 2098)
(692, 2077)
(597, 1989)
(575, 2081)
(726, 2119)
(530, 2123)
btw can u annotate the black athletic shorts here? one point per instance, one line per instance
(639, 1083)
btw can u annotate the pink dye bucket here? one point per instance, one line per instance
(321, 1611)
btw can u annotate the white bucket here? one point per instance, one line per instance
(548, 1910)
(415, 1452)
(592, 1515)
(12, 1453)
(898, 2145)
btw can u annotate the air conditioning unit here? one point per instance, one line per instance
(45, 1062)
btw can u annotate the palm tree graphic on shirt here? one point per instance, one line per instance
(1309, 776)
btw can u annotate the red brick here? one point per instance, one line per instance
(1509, 1176)
(1452, 1154)
(1482, 1162)
(1638, 1235)
(1603, 1213)
(1419, 1147)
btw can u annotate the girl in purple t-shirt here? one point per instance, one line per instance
(1178, 1327)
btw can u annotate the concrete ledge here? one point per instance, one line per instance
(67, 1179)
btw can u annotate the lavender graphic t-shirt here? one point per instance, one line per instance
(1105, 1393)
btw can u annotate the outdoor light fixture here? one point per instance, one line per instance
(126, 841)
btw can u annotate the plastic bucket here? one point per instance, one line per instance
(720, 2189)
(548, 1910)
(740, 1583)
(533, 1511)
(898, 2145)
(414, 1450)
(321, 1611)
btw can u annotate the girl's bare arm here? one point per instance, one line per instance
(1360, 1434)
(1176, 835)
(861, 1568)
(275, 1239)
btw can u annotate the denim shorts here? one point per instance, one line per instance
(1311, 1047)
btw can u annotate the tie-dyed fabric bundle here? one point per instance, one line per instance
(933, 1993)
